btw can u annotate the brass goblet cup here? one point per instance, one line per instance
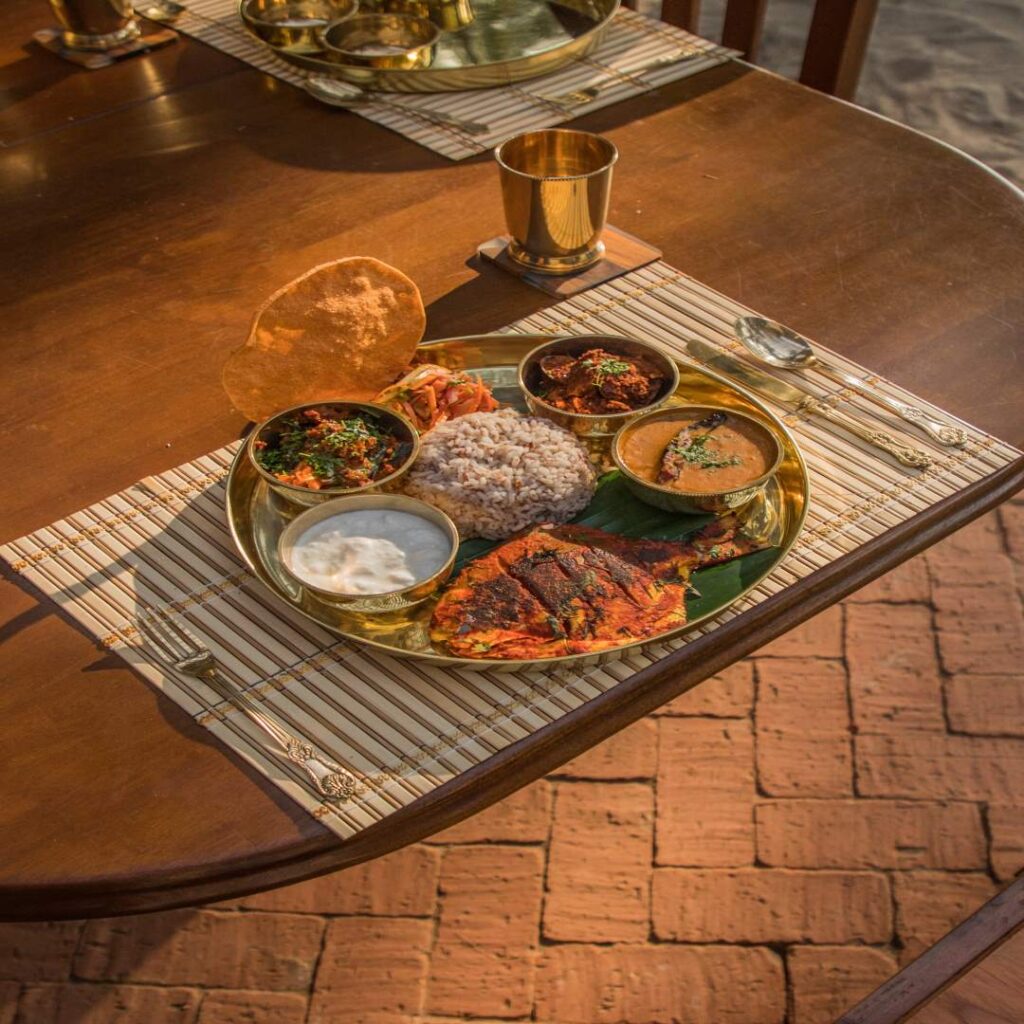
(555, 185)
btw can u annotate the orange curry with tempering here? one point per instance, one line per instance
(685, 453)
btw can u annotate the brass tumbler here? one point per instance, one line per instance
(555, 185)
(96, 24)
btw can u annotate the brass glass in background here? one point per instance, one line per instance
(555, 185)
(96, 24)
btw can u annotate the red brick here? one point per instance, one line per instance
(38, 951)
(403, 884)
(936, 766)
(906, 583)
(981, 629)
(523, 817)
(986, 705)
(870, 834)
(974, 556)
(226, 1007)
(827, 980)
(820, 637)
(629, 754)
(599, 863)
(706, 792)
(8, 1001)
(730, 694)
(186, 947)
(649, 984)
(372, 970)
(108, 1004)
(803, 723)
(1011, 515)
(487, 934)
(895, 681)
(1006, 824)
(931, 903)
(770, 905)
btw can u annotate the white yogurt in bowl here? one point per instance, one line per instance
(369, 552)
(373, 552)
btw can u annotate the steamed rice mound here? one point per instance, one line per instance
(496, 473)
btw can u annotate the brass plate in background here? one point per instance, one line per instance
(256, 515)
(506, 41)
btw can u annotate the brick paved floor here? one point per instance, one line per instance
(765, 849)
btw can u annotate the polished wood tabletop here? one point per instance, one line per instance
(148, 208)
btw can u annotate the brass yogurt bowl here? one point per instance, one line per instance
(308, 497)
(671, 499)
(294, 25)
(392, 41)
(371, 604)
(585, 425)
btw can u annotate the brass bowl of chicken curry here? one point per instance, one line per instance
(697, 458)
(592, 384)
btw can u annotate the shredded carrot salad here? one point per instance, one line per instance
(432, 394)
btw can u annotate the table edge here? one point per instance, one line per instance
(534, 756)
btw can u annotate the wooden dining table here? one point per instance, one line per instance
(149, 207)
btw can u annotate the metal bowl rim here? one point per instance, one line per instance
(757, 482)
(248, 16)
(363, 500)
(586, 417)
(329, 47)
(332, 492)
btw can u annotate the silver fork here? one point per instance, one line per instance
(183, 652)
(579, 97)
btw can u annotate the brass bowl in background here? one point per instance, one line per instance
(294, 24)
(396, 41)
(592, 426)
(372, 604)
(670, 499)
(307, 497)
(450, 15)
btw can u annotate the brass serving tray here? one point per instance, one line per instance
(506, 41)
(256, 515)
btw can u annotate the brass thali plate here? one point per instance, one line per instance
(483, 43)
(256, 515)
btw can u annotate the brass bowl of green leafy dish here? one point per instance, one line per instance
(317, 451)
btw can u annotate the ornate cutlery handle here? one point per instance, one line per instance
(905, 454)
(944, 433)
(332, 781)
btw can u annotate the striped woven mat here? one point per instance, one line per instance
(629, 42)
(404, 727)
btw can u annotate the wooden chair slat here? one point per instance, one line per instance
(836, 45)
(744, 26)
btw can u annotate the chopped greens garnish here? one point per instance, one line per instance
(695, 452)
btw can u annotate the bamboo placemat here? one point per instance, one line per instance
(404, 727)
(630, 41)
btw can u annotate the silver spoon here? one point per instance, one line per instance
(159, 10)
(779, 346)
(343, 94)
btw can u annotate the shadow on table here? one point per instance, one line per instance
(114, 568)
(308, 140)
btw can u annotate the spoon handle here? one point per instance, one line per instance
(937, 430)
(905, 454)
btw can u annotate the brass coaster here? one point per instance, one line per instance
(50, 39)
(623, 253)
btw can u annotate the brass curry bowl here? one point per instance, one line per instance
(396, 41)
(671, 499)
(583, 425)
(372, 604)
(306, 496)
(294, 25)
